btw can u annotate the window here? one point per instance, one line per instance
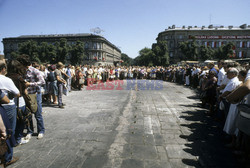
(86, 45)
(99, 46)
(212, 43)
(240, 54)
(94, 46)
(171, 54)
(218, 44)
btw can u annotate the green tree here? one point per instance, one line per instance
(62, 50)
(14, 55)
(206, 53)
(77, 53)
(161, 56)
(145, 57)
(46, 52)
(225, 51)
(30, 48)
(127, 61)
(189, 49)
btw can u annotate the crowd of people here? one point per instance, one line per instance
(221, 87)
(225, 90)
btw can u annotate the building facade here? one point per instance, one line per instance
(99, 50)
(214, 36)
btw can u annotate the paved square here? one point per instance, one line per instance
(161, 128)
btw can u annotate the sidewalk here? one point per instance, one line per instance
(161, 128)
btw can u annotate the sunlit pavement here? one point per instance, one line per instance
(140, 124)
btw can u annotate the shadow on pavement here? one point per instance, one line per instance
(207, 141)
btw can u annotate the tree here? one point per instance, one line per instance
(189, 49)
(77, 53)
(206, 53)
(145, 57)
(14, 55)
(62, 50)
(161, 56)
(46, 52)
(225, 51)
(30, 48)
(126, 60)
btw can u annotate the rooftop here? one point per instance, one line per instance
(210, 27)
(57, 35)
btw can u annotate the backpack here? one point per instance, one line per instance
(51, 77)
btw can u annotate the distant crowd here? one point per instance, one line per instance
(222, 88)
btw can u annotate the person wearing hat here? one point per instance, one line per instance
(60, 82)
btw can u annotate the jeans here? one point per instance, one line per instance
(60, 93)
(11, 113)
(19, 128)
(69, 84)
(38, 116)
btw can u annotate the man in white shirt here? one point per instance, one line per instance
(232, 74)
(8, 87)
(221, 73)
(244, 90)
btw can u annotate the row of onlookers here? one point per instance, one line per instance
(221, 88)
(225, 90)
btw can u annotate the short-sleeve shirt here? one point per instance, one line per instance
(232, 84)
(35, 78)
(7, 86)
(58, 73)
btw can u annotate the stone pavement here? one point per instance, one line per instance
(136, 128)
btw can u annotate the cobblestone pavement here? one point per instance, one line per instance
(160, 128)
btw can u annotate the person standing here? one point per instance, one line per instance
(68, 72)
(60, 82)
(8, 87)
(34, 80)
(16, 71)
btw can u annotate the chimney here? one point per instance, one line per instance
(244, 26)
(210, 26)
(173, 26)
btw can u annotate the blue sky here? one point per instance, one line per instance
(129, 24)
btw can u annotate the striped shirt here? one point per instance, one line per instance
(35, 78)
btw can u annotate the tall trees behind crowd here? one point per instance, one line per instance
(52, 53)
(190, 50)
(157, 56)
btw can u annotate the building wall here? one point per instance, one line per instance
(210, 36)
(97, 46)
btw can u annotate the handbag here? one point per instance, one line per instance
(65, 90)
(23, 116)
(31, 102)
(3, 147)
(243, 119)
(81, 81)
